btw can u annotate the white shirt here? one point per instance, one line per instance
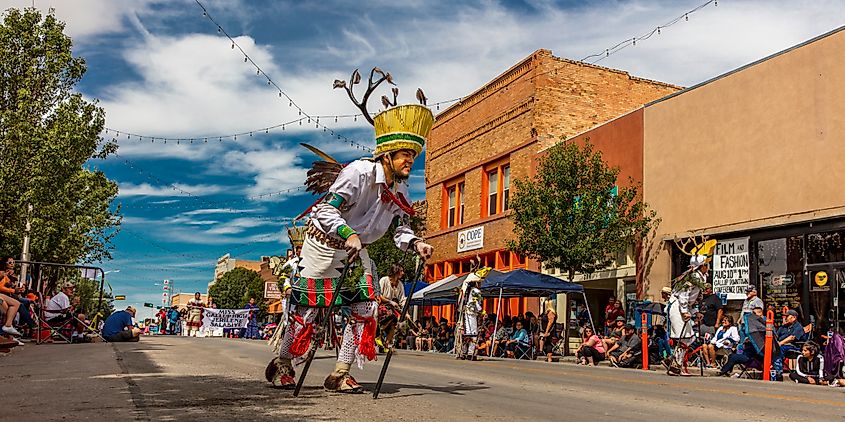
(360, 184)
(59, 302)
(396, 294)
(732, 336)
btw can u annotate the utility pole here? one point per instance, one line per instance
(25, 253)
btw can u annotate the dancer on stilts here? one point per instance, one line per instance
(362, 200)
(686, 290)
(471, 311)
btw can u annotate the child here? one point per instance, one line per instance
(810, 366)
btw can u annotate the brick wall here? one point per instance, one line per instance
(528, 107)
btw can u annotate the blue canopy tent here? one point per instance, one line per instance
(516, 283)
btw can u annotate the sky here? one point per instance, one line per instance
(161, 69)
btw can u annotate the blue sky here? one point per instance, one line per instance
(161, 69)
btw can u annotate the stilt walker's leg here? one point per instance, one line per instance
(323, 328)
(405, 308)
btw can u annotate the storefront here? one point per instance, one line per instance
(799, 266)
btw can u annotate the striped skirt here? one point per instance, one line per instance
(319, 272)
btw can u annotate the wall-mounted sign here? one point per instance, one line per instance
(821, 279)
(730, 267)
(471, 239)
(271, 290)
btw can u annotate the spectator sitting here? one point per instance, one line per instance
(485, 338)
(790, 333)
(592, 349)
(725, 339)
(411, 337)
(615, 333)
(518, 343)
(810, 367)
(500, 338)
(119, 327)
(626, 351)
(59, 307)
(10, 307)
(441, 344)
(424, 338)
(752, 347)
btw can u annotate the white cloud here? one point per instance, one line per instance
(146, 189)
(273, 170)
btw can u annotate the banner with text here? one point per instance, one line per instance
(225, 318)
(730, 268)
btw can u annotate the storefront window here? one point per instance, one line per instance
(825, 247)
(780, 268)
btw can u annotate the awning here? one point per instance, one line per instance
(525, 283)
(420, 294)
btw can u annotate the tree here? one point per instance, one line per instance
(48, 132)
(384, 252)
(233, 289)
(572, 215)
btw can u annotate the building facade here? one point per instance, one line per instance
(752, 158)
(492, 136)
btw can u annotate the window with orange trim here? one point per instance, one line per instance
(453, 199)
(497, 186)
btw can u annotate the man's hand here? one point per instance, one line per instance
(353, 246)
(686, 316)
(424, 250)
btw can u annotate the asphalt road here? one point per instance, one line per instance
(177, 378)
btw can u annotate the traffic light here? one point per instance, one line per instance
(149, 305)
(120, 297)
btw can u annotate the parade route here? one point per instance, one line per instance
(178, 378)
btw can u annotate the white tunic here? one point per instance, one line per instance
(361, 184)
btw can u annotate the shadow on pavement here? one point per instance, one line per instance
(160, 396)
(390, 390)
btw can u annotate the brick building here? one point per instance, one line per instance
(479, 144)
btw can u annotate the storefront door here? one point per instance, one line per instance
(827, 295)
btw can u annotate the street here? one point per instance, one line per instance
(178, 378)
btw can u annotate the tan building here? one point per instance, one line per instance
(753, 158)
(226, 263)
(478, 145)
(180, 300)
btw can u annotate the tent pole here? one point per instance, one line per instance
(565, 324)
(590, 314)
(496, 324)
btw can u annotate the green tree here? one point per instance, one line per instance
(572, 215)
(48, 132)
(384, 252)
(234, 288)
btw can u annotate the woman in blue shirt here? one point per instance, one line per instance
(518, 343)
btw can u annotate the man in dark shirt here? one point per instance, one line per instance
(790, 333)
(712, 309)
(625, 351)
(119, 327)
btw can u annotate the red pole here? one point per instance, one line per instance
(645, 342)
(767, 354)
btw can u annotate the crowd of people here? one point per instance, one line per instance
(718, 340)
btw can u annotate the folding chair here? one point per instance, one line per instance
(753, 369)
(525, 351)
(60, 328)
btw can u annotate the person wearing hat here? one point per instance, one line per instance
(617, 330)
(471, 311)
(59, 307)
(363, 199)
(751, 301)
(119, 327)
(686, 290)
(789, 334)
(712, 311)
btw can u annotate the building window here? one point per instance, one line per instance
(506, 187)
(453, 199)
(461, 201)
(492, 192)
(498, 187)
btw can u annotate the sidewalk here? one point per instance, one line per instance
(54, 382)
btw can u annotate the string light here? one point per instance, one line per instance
(607, 52)
(259, 71)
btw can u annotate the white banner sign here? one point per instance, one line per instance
(225, 318)
(730, 268)
(471, 239)
(271, 290)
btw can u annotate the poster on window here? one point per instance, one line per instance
(730, 267)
